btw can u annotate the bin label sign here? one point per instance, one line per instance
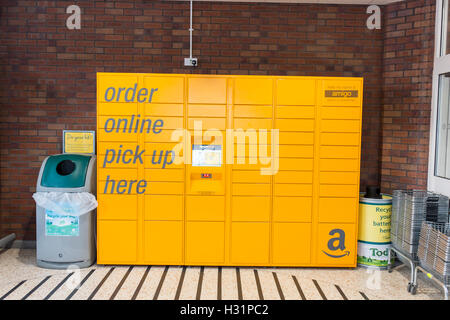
(79, 141)
(61, 224)
(337, 243)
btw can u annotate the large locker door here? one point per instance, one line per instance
(293, 184)
(338, 155)
(251, 192)
(117, 211)
(206, 177)
(163, 202)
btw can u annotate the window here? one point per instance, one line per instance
(445, 42)
(442, 163)
(439, 157)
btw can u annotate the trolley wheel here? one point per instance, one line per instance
(389, 270)
(413, 289)
(410, 285)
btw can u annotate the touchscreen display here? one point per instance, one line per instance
(205, 155)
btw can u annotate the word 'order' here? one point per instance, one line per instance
(129, 94)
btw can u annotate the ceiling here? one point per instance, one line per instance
(360, 2)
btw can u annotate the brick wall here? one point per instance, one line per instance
(407, 77)
(48, 72)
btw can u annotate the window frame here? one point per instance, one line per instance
(441, 65)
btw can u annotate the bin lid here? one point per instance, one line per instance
(65, 171)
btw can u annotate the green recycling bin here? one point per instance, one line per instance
(65, 211)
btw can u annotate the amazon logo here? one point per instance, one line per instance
(337, 244)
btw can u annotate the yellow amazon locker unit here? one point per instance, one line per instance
(228, 170)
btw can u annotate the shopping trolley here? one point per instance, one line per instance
(434, 254)
(409, 209)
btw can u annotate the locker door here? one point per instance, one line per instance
(205, 208)
(250, 243)
(291, 243)
(117, 242)
(336, 244)
(163, 242)
(205, 243)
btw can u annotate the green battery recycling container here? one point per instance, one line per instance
(374, 232)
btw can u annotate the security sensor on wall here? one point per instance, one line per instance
(190, 62)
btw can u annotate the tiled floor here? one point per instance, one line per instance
(20, 278)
